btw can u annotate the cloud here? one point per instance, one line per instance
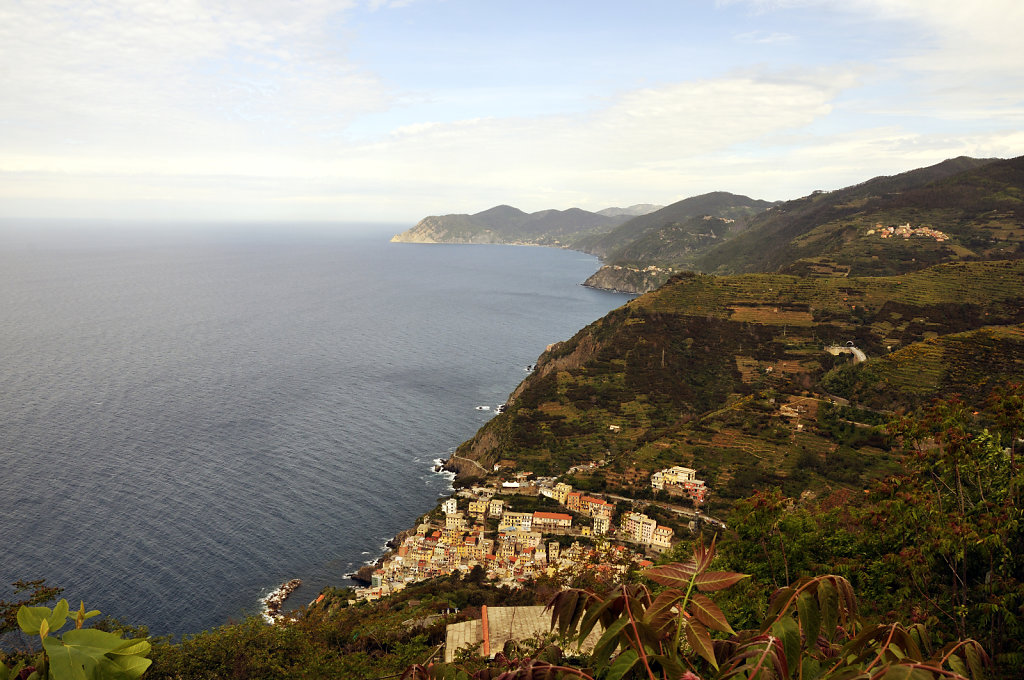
(211, 107)
(764, 38)
(165, 74)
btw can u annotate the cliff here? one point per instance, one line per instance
(622, 279)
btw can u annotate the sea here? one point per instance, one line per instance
(191, 416)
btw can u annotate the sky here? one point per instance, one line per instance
(391, 110)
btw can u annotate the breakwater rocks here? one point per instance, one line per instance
(273, 602)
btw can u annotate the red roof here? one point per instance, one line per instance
(552, 515)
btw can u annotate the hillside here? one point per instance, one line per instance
(728, 375)
(505, 224)
(976, 206)
(642, 253)
(717, 204)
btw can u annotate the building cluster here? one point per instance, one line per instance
(640, 528)
(680, 481)
(522, 546)
(906, 231)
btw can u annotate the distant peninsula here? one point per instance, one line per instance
(641, 245)
(969, 205)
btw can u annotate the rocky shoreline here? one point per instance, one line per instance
(364, 574)
(273, 602)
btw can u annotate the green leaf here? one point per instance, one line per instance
(622, 665)
(133, 647)
(708, 613)
(957, 665)
(787, 631)
(810, 618)
(59, 616)
(69, 663)
(700, 639)
(608, 642)
(828, 601)
(92, 639)
(29, 618)
(131, 666)
(779, 601)
(810, 668)
(717, 580)
(974, 661)
(592, 616)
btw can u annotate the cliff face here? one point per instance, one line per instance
(622, 279)
(447, 229)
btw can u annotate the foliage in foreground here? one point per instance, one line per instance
(812, 632)
(80, 653)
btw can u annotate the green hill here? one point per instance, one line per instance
(977, 205)
(670, 218)
(729, 375)
(505, 224)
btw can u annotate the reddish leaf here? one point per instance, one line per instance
(675, 575)
(700, 639)
(660, 614)
(718, 580)
(708, 613)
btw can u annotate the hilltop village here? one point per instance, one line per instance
(502, 528)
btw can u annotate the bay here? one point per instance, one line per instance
(190, 418)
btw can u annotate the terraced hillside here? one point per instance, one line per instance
(729, 375)
(976, 206)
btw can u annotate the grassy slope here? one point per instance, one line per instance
(979, 203)
(728, 375)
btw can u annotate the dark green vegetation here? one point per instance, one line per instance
(677, 228)
(729, 375)
(979, 204)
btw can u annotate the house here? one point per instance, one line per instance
(449, 506)
(679, 480)
(498, 625)
(661, 538)
(638, 527)
(518, 521)
(455, 520)
(562, 490)
(593, 506)
(551, 521)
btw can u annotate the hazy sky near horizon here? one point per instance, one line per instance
(390, 110)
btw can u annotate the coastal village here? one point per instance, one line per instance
(483, 526)
(906, 231)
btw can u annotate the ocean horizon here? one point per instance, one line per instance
(192, 418)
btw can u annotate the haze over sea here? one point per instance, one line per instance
(188, 420)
